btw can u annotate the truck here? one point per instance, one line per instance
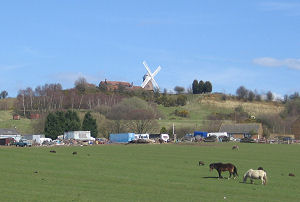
(23, 143)
(121, 137)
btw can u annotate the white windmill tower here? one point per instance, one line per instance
(149, 78)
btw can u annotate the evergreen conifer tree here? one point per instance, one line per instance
(90, 124)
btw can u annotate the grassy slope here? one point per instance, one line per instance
(146, 173)
(24, 126)
(198, 106)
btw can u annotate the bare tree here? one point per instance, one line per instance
(81, 84)
(242, 92)
(270, 96)
(179, 89)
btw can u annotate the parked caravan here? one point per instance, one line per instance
(165, 137)
(78, 135)
(217, 134)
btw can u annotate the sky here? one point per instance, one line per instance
(229, 43)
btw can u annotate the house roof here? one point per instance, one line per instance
(240, 127)
(116, 83)
(8, 132)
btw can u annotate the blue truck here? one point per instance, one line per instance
(121, 137)
(201, 133)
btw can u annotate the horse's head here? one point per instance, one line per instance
(211, 166)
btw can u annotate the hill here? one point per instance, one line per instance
(198, 108)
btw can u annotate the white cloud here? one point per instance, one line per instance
(292, 63)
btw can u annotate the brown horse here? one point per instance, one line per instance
(220, 167)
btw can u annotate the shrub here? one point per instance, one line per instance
(182, 113)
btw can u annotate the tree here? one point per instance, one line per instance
(181, 100)
(3, 94)
(163, 130)
(207, 87)
(270, 96)
(195, 87)
(52, 128)
(136, 114)
(266, 132)
(201, 87)
(61, 121)
(251, 96)
(257, 97)
(179, 89)
(72, 121)
(242, 92)
(90, 124)
(81, 84)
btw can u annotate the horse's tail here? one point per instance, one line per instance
(245, 177)
(235, 171)
(265, 178)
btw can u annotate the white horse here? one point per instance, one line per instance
(256, 174)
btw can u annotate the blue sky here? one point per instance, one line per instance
(230, 43)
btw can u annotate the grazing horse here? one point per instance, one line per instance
(201, 163)
(224, 167)
(235, 147)
(256, 174)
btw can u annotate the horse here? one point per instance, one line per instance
(220, 167)
(201, 163)
(256, 174)
(235, 147)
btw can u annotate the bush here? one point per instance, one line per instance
(182, 113)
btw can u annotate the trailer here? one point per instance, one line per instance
(217, 134)
(7, 141)
(78, 135)
(121, 137)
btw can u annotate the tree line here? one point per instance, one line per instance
(201, 87)
(51, 97)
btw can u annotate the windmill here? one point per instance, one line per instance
(149, 78)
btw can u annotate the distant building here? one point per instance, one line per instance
(296, 128)
(241, 130)
(116, 85)
(16, 117)
(10, 133)
(34, 116)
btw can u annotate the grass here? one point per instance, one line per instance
(24, 126)
(146, 173)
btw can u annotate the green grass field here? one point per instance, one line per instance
(146, 173)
